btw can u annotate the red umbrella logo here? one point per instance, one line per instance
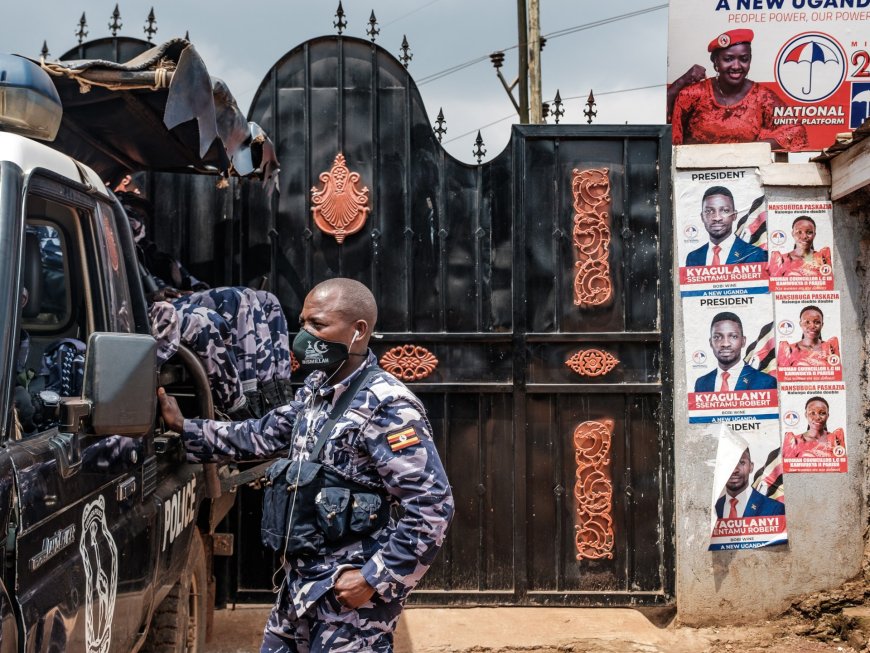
(811, 52)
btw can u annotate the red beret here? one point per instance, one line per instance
(731, 37)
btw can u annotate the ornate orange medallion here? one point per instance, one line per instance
(409, 362)
(340, 207)
(592, 362)
(591, 236)
(593, 490)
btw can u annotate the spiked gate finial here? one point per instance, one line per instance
(406, 55)
(373, 30)
(82, 31)
(557, 111)
(478, 152)
(44, 52)
(341, 23)
(590, 111)
(440, 130)
(116, 24)
(149, 28)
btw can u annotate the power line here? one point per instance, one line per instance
(489, 124)
(622, 90)
(450, 71)
(553, 35)
(605, 21)
(573, 97)
(398, 18)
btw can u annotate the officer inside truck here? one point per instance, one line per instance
(250, 373)
(42, 377)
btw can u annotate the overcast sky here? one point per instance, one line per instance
(240, 41)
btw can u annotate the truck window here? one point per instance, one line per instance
(49, 306)
(119, 306)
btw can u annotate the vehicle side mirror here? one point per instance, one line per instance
(120, 382)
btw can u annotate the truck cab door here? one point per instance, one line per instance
(85, 531)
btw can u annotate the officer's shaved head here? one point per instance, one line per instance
(353, 300)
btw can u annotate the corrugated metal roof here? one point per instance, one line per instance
(841, 145)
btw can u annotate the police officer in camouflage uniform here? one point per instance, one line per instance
(210, 338)
(240, 334)
(350, 598)
(259, 330)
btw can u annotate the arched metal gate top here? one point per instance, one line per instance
(338, 95)
(333, 62)
(110, 48)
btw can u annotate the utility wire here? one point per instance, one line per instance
(553, 35)
(605, 21)
(398, 18)
(573, 97)
(622, 90)
(489, 124)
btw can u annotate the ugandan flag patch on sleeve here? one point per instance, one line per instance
(404, 438)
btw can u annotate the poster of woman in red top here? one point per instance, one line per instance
(790, 74)
(808, 336)
(730, 107)
(813, 435)
(800, 238)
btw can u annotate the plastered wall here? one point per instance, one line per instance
(826, 513)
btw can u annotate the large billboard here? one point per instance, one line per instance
(793, 73)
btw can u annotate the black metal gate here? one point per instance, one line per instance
(499, 272)
(540, 282)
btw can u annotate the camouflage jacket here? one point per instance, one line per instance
(383, 440)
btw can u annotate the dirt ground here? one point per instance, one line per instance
(815, 624)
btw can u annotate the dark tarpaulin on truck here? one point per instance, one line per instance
(160, 111)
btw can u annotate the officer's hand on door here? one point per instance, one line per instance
(171, 412)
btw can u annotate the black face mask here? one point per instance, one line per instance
(315, 353)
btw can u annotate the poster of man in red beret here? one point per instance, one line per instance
(776, 72)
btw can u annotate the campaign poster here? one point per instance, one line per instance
(794, 73)
(801, 236)
(808, 336)
(748, 502)
(721, 232)
(730, 358)
(813, 425)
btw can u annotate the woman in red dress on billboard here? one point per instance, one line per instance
(810, 350)
(817, 441)
(729, 108)
(803, 260)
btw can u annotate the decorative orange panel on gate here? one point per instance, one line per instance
(591, 237)
(340, 208)
(592, 362)
(593, 490)
(409, 362)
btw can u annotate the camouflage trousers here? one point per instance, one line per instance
(329, 627)
(209, 336)
(259, 329)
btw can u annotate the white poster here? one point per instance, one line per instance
(730, 358)
(813, 427)
(721, 232)
(800, 245)
(808, 336)
(748, 502)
